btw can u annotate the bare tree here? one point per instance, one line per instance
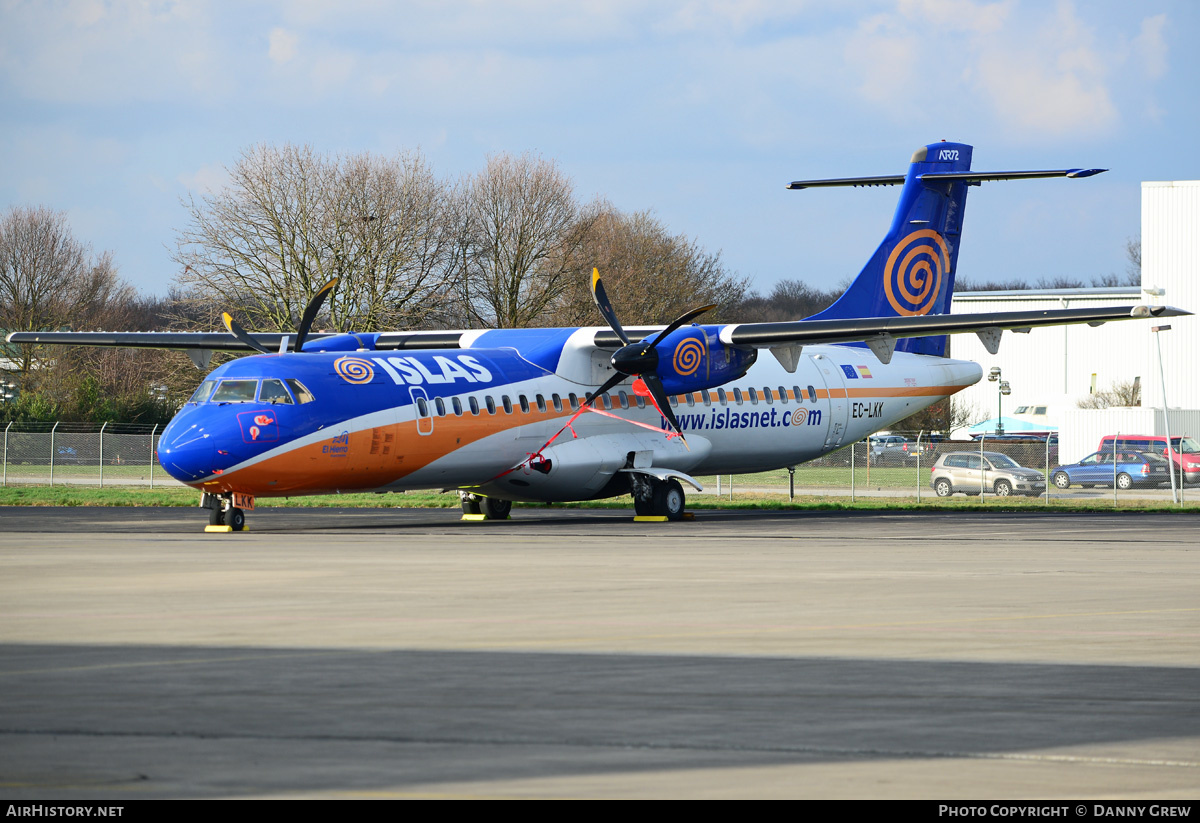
(520, 234)
(1121, 395)
(50, 280)
(290, 220)
(651, 275)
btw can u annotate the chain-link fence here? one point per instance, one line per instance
(890, 466)
(82, 454)
(921, 468)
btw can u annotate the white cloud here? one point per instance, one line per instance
(1151, 47)
(207, 179)
(281, 45)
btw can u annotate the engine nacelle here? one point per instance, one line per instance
(693, 358)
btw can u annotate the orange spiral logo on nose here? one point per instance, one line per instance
(688, 356)
(912, 278)
(354, 370)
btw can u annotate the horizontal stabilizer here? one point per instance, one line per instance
(886, 180)
(969, 177)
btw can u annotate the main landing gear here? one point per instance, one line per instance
(225, 512)
(478, 507)
(654, 498)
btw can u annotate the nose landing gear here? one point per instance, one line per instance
(225, 511)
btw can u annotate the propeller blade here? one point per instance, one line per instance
(681, 319)
(658, 396)
(608, 384)
(310, 313)
(240, 333)
(605, 307)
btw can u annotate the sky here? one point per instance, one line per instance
(698, 110)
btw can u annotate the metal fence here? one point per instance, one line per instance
(866, 470)
(79, 454)
(82, 454)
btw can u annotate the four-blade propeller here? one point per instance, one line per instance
(639, 359)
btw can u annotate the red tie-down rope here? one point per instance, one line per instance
(639, 388)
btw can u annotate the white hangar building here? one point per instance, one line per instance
(1057, 367)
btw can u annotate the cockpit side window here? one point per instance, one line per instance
(235, 391)
(303, 395)
(272, 391)
(201, 394)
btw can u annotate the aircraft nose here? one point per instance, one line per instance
(187, 452)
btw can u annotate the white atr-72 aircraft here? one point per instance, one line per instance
(585, 413)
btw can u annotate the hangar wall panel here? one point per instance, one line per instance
(1171, 261)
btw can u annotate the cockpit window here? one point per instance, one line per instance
(201, 394)
(272, 391)
(235, 391)
(303, 395)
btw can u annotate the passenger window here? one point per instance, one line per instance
(708, 397)
(524, 403)
(457, 404)
(554, 398)
(302, 394)
(674, 400)
(235, 391)
(422, 407)
(737, 396)
(641, 401)
(783, 395)
(691, 400)
(574, 401)
(812, 394)
(721, 397)
(440, 406)
(624, 400)
(541, 403)
(767, 395)
(474, 404)
(507, 401)
(491, 404)
(602, 402)
(753, 396)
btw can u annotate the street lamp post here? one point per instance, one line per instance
(1166, 421)
(1002, 388)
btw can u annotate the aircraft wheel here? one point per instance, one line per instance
(236, 518)
(495, 508)
(1124, 481)
(669, 500)
(216, 517)
(470, 504)
(943, 488)
(1062, 480)
(1003, 488)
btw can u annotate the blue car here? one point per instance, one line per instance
(1131, 469)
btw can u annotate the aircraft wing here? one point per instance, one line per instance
(880, 333)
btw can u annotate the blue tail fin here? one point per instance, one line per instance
(912, 271)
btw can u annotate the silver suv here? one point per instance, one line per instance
(968, 472)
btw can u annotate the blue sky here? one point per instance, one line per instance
(700, 110)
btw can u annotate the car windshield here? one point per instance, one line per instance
(1185, 445)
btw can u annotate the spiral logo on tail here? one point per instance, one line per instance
(688, 356)
(354, 370)
(912, 278)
